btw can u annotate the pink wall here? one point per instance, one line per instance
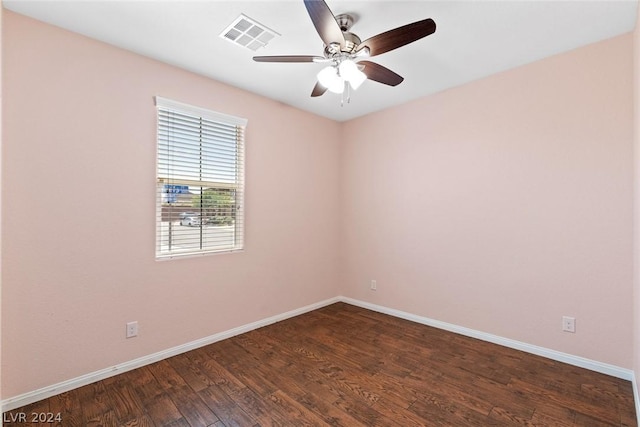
(500, 205)
(1, 103)
(636, 199)
(504, 204)
(78, 220)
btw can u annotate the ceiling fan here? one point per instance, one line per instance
(343, 48)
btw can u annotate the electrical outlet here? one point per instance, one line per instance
(374, 285)
(569, 324)
(132, 329)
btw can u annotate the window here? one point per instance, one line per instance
(200, 180)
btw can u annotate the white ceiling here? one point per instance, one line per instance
(473, 39)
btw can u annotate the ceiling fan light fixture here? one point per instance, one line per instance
(348, 68)
(329, 78)
(350, 72)
(356, 81)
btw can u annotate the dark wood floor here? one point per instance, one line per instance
(346, 366)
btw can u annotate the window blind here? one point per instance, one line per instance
(200, 181)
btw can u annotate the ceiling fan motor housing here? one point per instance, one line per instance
(351, 41)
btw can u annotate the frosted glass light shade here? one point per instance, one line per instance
(329, 78)
(350, 72)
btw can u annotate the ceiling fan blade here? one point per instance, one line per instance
(398, 37)
(318, 90)
(380, 74)
(325, 22)
(288, 58)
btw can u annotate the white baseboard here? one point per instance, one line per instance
(581, 362)
(636, 396)
(46, 392)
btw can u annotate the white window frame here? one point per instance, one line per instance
(169, 232)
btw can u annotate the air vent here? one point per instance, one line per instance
(248, 33)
